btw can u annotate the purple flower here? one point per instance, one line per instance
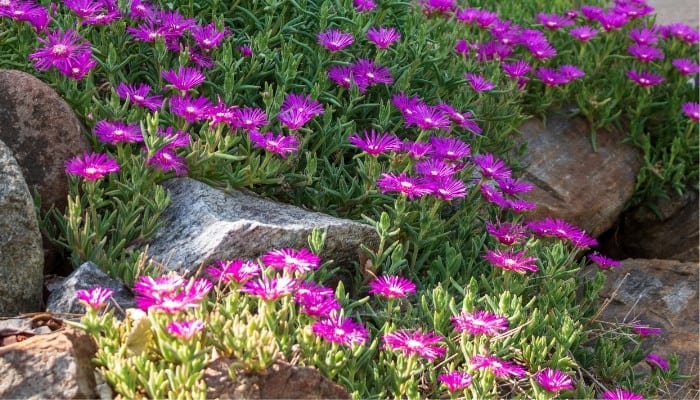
(392, 286)
(94, 298)
(298, 109)
(184, 78)
(249, 118)
(603, 262)
(491, 166)
(237, 270)
(246, 51)
(91, 166)
(374, 143)
(478, 82)
(500, 368)
(656, 361)
(417, 150)
(692, 110)
(686, 66)
(449, 148)
(138, 94)
(63, 51)
(583, 33)
(208, 37)
(431, 7)
(553, 380)
(520, 205)
(493, 195)
(507, 233)
(343, 331)
(550, 76)
(383, 37)
(462, 47)
(456, 380)
(643, 36)
(553, 21)
(570, 72)
(274, 143)
(364, 5)
(591, 13)
(366, 73)
(480, 323)
(334, 39)
(84, 8)
(292, 260)
(486, 18)
(541, 50)
(447, 188)
(166, 159)
(406, 105)
(512, 186)
(175, 24)
(117, 132)
(435, 168)
(192, 110)
(516, 70)
(270, 288)
(463, 119)
(645, 54)
(149, 31)
(621, 394)
(411, 342)
(35, 14)
(645, 330)
(511, 260)
(681, 31)
(561, 229)
(185, 329)
(170, 294)
(612, 21)
(402, 183)
(316, 300)
(427, 117)
(341, 75)
(141, 10)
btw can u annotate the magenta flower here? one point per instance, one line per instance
(343, 331)
(612, 21)
(192, 110)
(416, 150)
(364, 5)
(341, 75)
(84, 8)
(410, 342)
(455, 380)
(117, 132)
(511, 260)
(175, 24)
(592, 13)
(571, 72)
(645, 330)
(374, 143)
(550, 76)
(621, 394)
(603, 262)
(208, 37)
(335, 40)
(298, 109)
(516, 70)
(656, 361)
(161, 287)
(149, 31)
(486, 18)
(646, 54)
(491, 166)
(316, 300)
(467, 15)
(270, 288)
(500, 368)
(553, 21)
(141, 10)
(138, 94)
(447, 188)
(185, 329)
(512, 186)
(692, 110)
(94, 298)
(681, 31)
(520, 205)
(392, 286)
(292, 260)
(493, 195)
(402, 183)
(34, 14)
(435, 168)
(480, 323)
(366, 73)
(506, 233)
(561, 229)
(462, 47)
(91, 166)
(541, 50)
(449, 148)
(553, 380)
(170, 294)
(63, 51)
(246, 51)
(166, 159)
(478, 82)
(427, 117)
(431, 7)
(274, 143)
(184, 78)
(463, 119)
(237, 271)
(643, 36)
(686, 66)
(645, 78)
(383, 37)
(406, 105)
(583, 33)
(249, 118)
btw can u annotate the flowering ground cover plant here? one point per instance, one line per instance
(400, 114)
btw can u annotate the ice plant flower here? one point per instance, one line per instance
(553, 21)
(184, 78)
(491, 166)
(249, 118)
(292, 260)
(512, 186)
(427, 117)
(478, 82)
(94, 298)
(139, 94)
(571, 72)
(246, 51)
(511, 260)
(63, 50)
(517, 69)
(416, 150)
(91, 166)
(500, 368)
(392, 286)
(692, 110)
(208, 37)
(34, 14)
(316, 300)
(550, 76)
(644, 78)
(455, 380)
(645, 330)
(341, 75)
(402, 183)
(114, 132)
(506, 233)
(583, 33)
(383, 37)
(643, 36)
(297, 110)
(656, 361)
(185, 330)
(170, 294)
(374, 143)
(274, 143)
(238, 270)
(367, 73)
(270, 288)
(410, 342)
(480, 322)
(463, 119)
(364, 5)
(553, 380)
(334, 39)
(343, 331)
(434, 168)
(645, 54)
(449, 148)
(621, 394)
(686, 66)
(191, 109)
(561, 229)
(166, 159)
(447, 188)
(603, 261)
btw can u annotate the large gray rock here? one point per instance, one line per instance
(584, 187)
(21, 254)
(203, 224)
(63, 299)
